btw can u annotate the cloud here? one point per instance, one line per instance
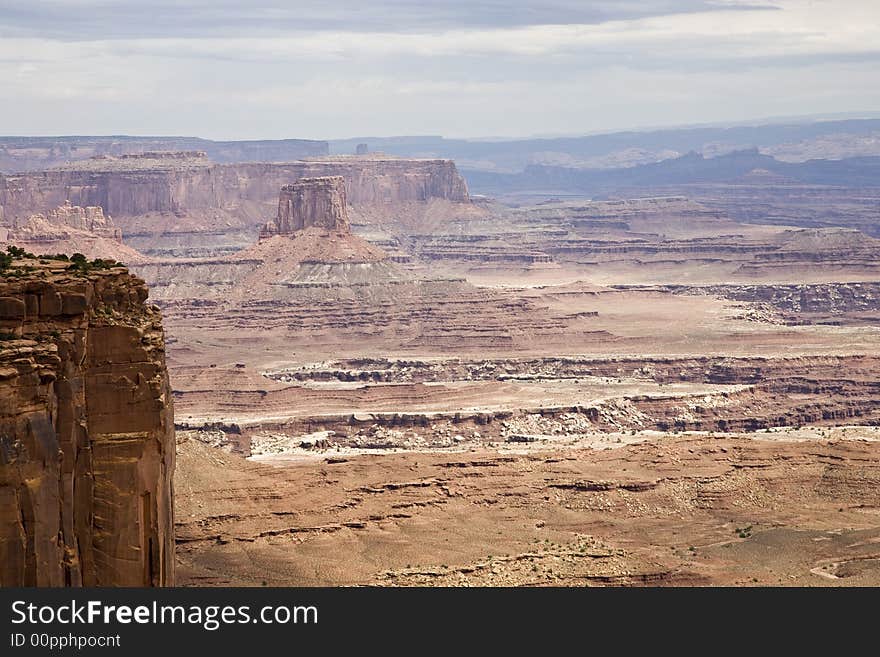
(802, 29)
(114, 19)
(316, 70)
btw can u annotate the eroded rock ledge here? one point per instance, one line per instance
(86, 430)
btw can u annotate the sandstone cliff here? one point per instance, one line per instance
(133, 186)
(71, 229)
(310, 202)
(190, 207)
(86, 429)
(60, 220)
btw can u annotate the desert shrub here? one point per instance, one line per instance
(18, 252)
(79, 263)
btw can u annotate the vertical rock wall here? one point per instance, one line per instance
(308, 202)
(86, 432)
(130, 187)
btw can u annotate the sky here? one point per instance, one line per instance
(268, 69)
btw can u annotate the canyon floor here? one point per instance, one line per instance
(676, 407)
(690, 509)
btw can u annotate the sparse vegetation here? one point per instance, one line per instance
(82, 265)
(743, 532)
(18, 252)
(79, 262)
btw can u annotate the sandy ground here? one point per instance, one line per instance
(686, 509)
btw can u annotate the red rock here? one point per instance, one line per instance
(11, 308)
(86, 434)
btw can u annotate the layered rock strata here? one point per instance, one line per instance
(71, 229)
(58, 222)
(186, 206)
(132, 186)
(647, 241)
(310, 202)
(317, 284)
(86, 430)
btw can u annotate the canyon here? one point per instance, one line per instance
(656, 364)
(451, 389)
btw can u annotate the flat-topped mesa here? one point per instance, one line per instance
(310, 202)
(191, 206)
(165, 155)
(157, 162)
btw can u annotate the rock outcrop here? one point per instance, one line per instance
(313, 281)
(71, 229)
(86, 429)
(310, 202)
(48, 226)
(137, 185)
(188, 206)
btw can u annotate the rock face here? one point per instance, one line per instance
(132, 186)
(310, 202)
(86, 431)
(71, 229)
(308, 246)
(190, 207)
(48, 226)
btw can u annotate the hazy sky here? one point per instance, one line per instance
(465, 68)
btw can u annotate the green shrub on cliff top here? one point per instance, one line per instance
(13, 253)
(18, 252)
(81, 264)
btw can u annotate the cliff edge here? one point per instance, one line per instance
(86, 428)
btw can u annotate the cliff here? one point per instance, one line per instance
(86, 429)
(71, 229)
(190, 207)
(310, 202)
(132, 186)
(58, 221)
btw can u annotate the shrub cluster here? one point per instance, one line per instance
(78, 262)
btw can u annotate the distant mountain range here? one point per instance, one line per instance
(746, 166)
(791, 141)
(583, 163)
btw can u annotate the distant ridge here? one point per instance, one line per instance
(692, 168)
(19, 154)
(513, 155)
